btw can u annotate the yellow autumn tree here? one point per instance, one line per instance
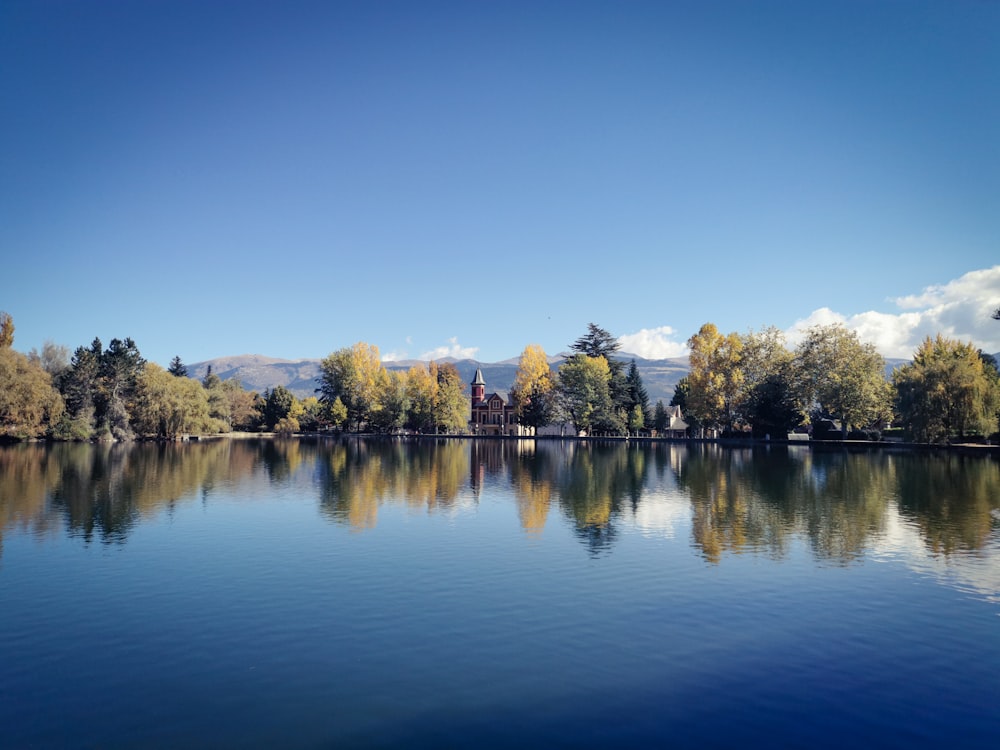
(534, 388)
(357, 377)
(715, 379)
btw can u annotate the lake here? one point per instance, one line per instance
(458, 593)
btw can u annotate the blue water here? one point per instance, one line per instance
(495, 594)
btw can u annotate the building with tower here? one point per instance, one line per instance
(492, 413)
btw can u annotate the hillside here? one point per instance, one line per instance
(257, 372)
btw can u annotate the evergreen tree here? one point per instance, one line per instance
(660, 417)
(637, 395)
(121, 366)
(177, 368)
(598, 342)
(278, 404)
(79, 386)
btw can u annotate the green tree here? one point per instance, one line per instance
(636, 420)
(79, 387)
(337, 413)
(584, 394)
(177, 368)
(946, 391)
(637, 395)
(769, 400)
(121, 367)
(660, 417)
(681, 392)
(279, 403)
(598, 342)
(313, 416)
(772, 407)
(843, 376)
(357, 377)
(533, 393)
(680, 398)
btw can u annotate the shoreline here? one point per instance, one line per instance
(846, 445)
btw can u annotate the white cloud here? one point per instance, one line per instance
(653, 343)
(395, 356)
(452, 349)
(960, 309)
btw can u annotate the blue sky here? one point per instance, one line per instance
(221, 178)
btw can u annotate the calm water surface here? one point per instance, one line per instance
(496, 594)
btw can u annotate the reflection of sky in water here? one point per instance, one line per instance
(972, 571)
(661, 513)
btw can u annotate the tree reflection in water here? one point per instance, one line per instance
(741, 499)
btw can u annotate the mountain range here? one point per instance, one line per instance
(301, 376)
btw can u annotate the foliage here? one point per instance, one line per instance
(54, 358)
(421, 393)
(845, 377)
(100, 388)
(245, 407)
(533, 393)
(120, 369)
(177, 368)
(451, 404)
(30, 407)
(357, 377)
(598, 342)
(681, 392)
(715, 380)
(772, 408)
(660, 417)
(393, 404)
(279, 403)
(636, 398)
(287, 425)
(337, 413)
(947, 390)
(6, 330)
(219, 406)
(167, 406)
(585, 396)
(79, 388)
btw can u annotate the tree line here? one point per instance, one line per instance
(838, 386)
(750, 383)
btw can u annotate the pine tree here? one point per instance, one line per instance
(637, 395)
(177, 368)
